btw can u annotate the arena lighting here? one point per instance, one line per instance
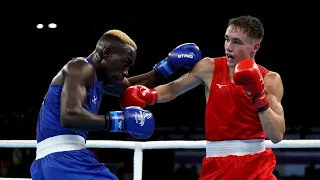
(52, 25)
(39, 26)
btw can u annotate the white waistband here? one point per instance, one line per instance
(60, 143)
(234, 147)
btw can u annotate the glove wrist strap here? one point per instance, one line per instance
(116, 121)
(153, 97)
(260, 102)
(163, 68)
(107, 123)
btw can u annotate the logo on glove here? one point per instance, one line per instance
(144, 93)
(185, 56)
(141, 117)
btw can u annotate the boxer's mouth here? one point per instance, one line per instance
(229, 56)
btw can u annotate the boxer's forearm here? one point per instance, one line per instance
(149, 79)
(81, 119)
(166, 92)
(272, 124)
(175, 88)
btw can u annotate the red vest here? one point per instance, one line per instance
(230, 114)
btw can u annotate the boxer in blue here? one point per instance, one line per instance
(70, 108)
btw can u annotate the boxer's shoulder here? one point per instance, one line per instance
(79, 68)
(204, 67)
(272, 78)
(75, 69)
(78, 61)
(205, 62)
(272, 75)
(77, 65)
(273, 86)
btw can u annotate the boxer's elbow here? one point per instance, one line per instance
(277, 138)
(68, 117)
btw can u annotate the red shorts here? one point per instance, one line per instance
(248, 167)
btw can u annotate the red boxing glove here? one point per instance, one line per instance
(138, 96)
(247, 73)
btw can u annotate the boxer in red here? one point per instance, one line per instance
(243, 105)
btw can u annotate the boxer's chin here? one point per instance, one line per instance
(231, 63)
(115, 79)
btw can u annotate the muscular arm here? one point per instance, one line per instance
(149, 79)
(170, 91)
(272, 119)
(78, 76)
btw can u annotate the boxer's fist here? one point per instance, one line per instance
(247, 73)
(186, 55)
(138, 96)
(136, 121)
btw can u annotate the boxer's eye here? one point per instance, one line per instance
(128, 63)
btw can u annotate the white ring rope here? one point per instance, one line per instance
(199, 144)
(138, 148)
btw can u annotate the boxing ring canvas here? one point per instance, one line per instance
(138, 148)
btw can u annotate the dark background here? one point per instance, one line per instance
(32, 57)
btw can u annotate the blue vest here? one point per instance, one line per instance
(49, 116)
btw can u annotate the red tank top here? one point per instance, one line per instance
(230, 114)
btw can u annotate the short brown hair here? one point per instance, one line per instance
(250, 25)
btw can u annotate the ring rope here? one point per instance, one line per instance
(173, 144)
(138, 148)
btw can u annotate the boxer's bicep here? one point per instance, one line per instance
(77, 77)
(274, 91)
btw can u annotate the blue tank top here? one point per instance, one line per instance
(49, 116)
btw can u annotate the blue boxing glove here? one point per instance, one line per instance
(139, 123)
(186, 55)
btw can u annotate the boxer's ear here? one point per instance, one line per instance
(256, 47)
(106, 51)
